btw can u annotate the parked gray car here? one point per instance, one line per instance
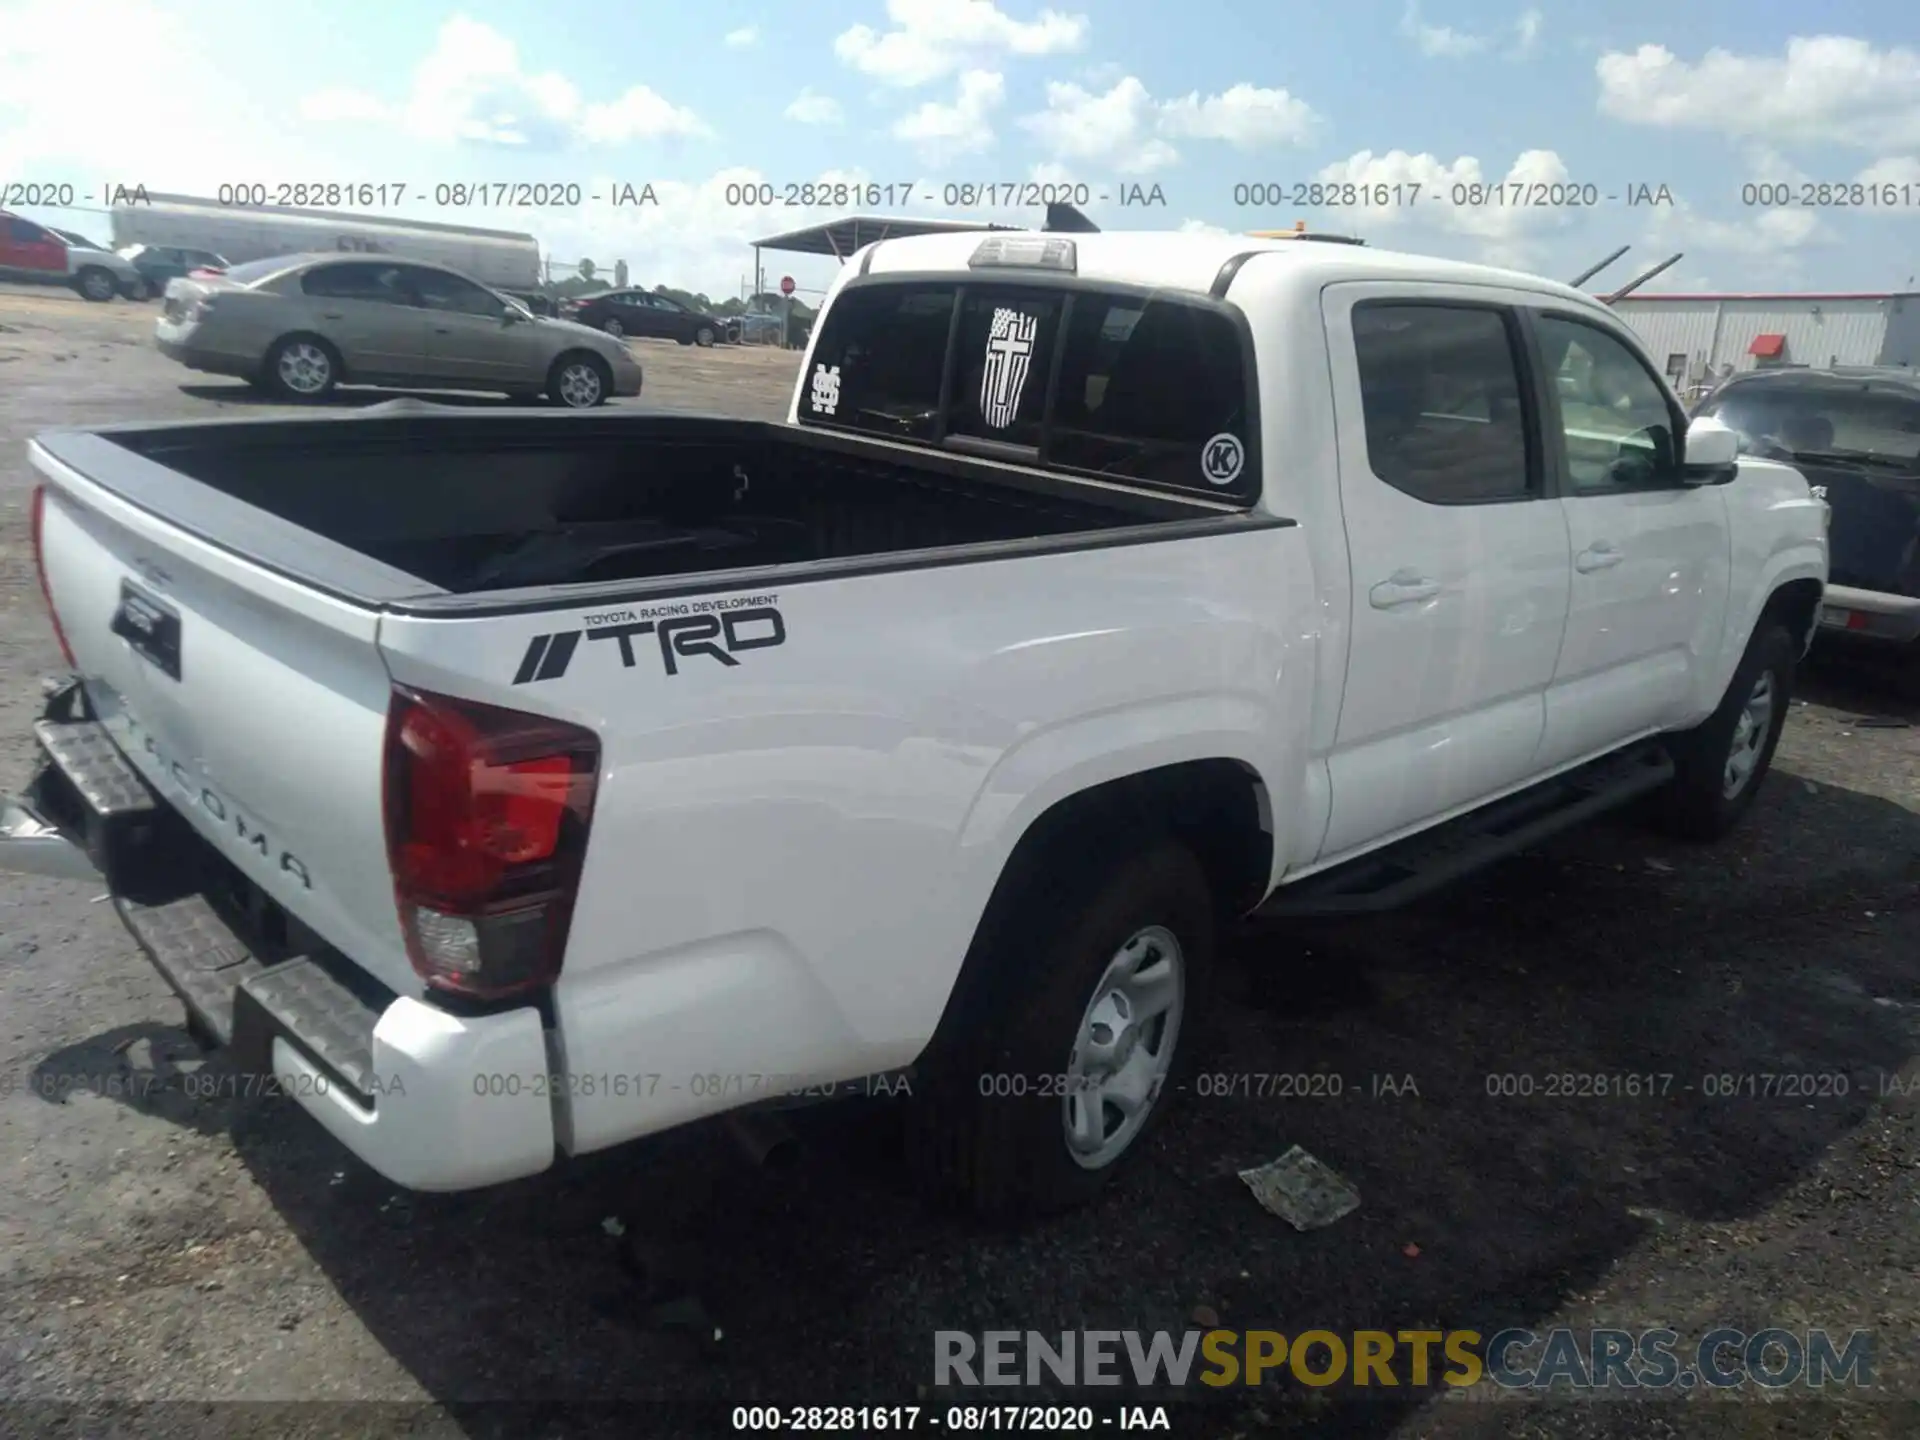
(302, 324)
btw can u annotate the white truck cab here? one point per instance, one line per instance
(602, 773)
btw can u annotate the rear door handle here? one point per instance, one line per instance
(1598, 556)
(1404, 587)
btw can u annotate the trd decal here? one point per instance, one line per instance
(717, 636)
(547, 657)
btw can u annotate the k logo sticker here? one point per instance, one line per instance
(1221, 458)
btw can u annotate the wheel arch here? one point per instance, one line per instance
(1218, 805)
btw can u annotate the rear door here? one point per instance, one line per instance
(31, 250)
(1652, 556)
(371, 314)
(637, 316)
(470, 340)
(1457, 552)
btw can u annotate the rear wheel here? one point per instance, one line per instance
(579, 382)
(96, 284)
(614, 328)
(302, 367)
(1720, 763)
(1099, 974)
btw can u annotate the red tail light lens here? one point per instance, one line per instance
(487, 812)
(39, 509)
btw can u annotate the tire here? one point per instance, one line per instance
(1721, 763)
(96, 284)
(703, 337)
(567, 381)
(1056, 949)
(615, 329)
(301, 367)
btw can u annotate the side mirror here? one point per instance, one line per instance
(1710, 447)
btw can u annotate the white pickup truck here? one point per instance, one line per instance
(511, 786)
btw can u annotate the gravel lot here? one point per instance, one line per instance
(159, 1252)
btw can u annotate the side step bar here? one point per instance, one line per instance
(1415, 867)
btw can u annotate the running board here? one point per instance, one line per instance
(1414, 867)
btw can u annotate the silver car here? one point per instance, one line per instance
(302, 324)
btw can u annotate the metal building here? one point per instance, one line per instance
(1699, 338)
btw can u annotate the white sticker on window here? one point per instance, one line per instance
(825, 396)
(1221, 458)
(1009, 357)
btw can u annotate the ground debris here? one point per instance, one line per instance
(1301, 1190)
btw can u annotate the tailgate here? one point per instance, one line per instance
(253, 703)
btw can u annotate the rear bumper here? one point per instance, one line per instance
(431, 1100)
(1869, 615)
(211, 362)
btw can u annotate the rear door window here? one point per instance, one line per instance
(359, 280)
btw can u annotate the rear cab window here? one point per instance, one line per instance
(1148, 387)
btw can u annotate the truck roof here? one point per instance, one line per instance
(1185, 260)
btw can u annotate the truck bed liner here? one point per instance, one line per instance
(466, 503)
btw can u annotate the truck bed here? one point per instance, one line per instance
(467, 504)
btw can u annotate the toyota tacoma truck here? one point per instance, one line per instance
(513, 786)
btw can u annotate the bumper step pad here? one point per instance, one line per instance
(245, 1003)
(87, 756)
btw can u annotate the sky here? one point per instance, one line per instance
(1473, 129)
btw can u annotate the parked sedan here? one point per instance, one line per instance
(1856, 434)
(642, 313)
(299, 325)
(34, 252)
(158, 264)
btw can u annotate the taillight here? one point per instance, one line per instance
(39, 511)
(487, 812)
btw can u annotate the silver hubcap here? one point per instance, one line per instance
(705, 337)
(1125, 1047)
(613, 329)
(1749, 736)
(580, 385)
(304, 368)
(97, 285)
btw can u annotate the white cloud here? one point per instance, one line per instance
(1527, 33)
(944, 132)
(1201, 227)
(1770, 234)
(197, 125)
(1418, 191)
(1829, 88)
(1894, 170)
(1445, 42)
(809, 108)
(746, 35)
(1127, 131)
(1245, 117)
(1438, 40)
(472, 89)
(931, 39)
